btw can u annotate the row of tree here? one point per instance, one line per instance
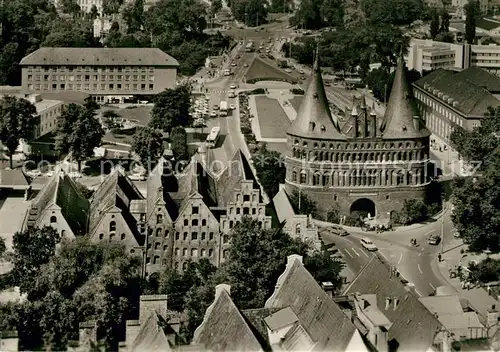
(101, 282)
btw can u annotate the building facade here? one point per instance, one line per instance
(107, 74)
(367, 165)
(447, 99)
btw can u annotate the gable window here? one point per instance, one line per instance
(186, 222)
(101, 236)
(53, 219)
(158, 232)
(203, 236)
(194, 222)
(211, 236)
(194, 236)
(203, 252)
(246, 198)
(112, 226)
(122, 236)
(203, 222)
(195, 210)
(159, 219)
(185, 236)
(210, 252)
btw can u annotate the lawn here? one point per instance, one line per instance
(295, 101)
(272, 119)
(142, 114)
(262, 71)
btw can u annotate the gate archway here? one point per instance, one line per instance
(362, 207)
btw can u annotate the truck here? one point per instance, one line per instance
(223, 108)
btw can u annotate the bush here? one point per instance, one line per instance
(333, 215)
(258, 91)
(297, 91)
(353, 221)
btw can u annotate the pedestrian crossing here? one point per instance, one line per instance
(218, 91)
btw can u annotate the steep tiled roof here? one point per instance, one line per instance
(99, 57)
(224, 328)
(255, 319)
(481, 78)
(314, 119)
(62, 191)
(157, 189)
(413, 326)
(470, 98)
(401, 111)
(283, 206)
(151, 336)
(14, 177)
(115, 191)
(329, 328)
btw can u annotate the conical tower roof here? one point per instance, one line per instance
(401, 110)
(314, 119)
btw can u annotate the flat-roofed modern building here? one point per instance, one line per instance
(107, 74)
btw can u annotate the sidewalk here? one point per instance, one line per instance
(479, 298)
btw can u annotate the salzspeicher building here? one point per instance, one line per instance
(367, 165)
(107, 74)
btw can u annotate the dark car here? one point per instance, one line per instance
(434, 240)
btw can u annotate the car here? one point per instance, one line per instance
(287, 70)
(368, 244)
(232, 107)
(213, 114)
(232, 86)
(262, 56)
(327, 84)
(233, 64)
(75, 174)
(216, 107)
(456, 234)
(137, 177)
(301, 72)
(303, 78)
(34, 173)
(232, 95)
(245, 65)
(434, 239)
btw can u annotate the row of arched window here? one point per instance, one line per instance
(352, 178)
(354, 146)
(336, 157)
(112, 236)
(194, 252)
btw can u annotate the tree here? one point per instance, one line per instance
(133, 14)
(110, 7)
(270, 169)
(171, 108)
(333, 214)
(215, 7)
(70, 7)
(178, 138)
(110, 120)
(434, 25)
(75, 33)
(94, 13)
(148, 145)
(3, 247)
(251, 12)
(475, 215)
(17, 121)
(32, 248)
(302, 204)
(414, 210)
(472, 13)
(309, 14)
(445, 22)
(77, 121)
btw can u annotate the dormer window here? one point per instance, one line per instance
(404, 128)
(323, 128)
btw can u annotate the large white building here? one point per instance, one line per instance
(427, 55)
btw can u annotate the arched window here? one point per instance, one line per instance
(294, 176)
(303, 177)
(399, 178)
(225, 254)
(101, 236)
(203, 222)
(53, 219)
(122, 236)
(297, 230)
(203, 252)
(184, 266)
(166, 233)
(316, 180)
(112, 226)
(159, 219)
(326, 180)
(158, 232)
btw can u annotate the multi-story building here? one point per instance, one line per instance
(427, 55)
(447, 99)
(48, 112)
(107, 74)
(182, 218)
(367, 165)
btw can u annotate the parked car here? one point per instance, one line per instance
(368, 244)
(456, 234)
(216, 107)
(232, 95)
(34, 173)
(434, 239)
(137, 177)
(245, 65)
(232, 107)
(301, 72)
(213, 114)
(287, 70)
(75, 174)
(199, 123)
(233, 86)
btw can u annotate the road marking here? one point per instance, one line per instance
(418, 293)
(355, 251)
(428, 233)
(366, 255)
(400, 258)
(418, 266)
(350, 255)
(432, 286)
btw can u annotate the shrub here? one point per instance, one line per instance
(353, 221)
(333, 215)
(258, 91)
(297, 91)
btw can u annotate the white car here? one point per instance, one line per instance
(232, 107)
(213, 114)
(368, 244)
(232, 95)
(34, 173)
(75, 174)
(287, 70)
(233, 86)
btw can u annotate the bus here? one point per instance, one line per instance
(249, 47)
(213, 137)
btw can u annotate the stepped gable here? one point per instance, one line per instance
(401, 111)
(314, 118)
(116, 191)
(160, 181)
(62, 191)
(413, 327)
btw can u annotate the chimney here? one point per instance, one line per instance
(387, 303)
(396, 303)
(354, 113)
(328, 288)
(373, 116)
(492, 316)
(220, 288)
(416, 122)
